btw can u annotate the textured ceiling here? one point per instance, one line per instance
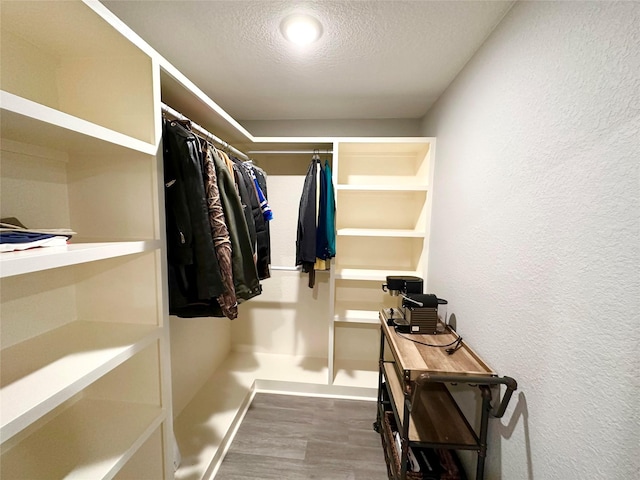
(376, 59)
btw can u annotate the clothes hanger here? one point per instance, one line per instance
(326, 157)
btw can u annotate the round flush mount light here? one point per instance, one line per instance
(301, 29)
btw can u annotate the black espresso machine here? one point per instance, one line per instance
(416, 312)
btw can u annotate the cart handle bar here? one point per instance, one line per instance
(509, 382)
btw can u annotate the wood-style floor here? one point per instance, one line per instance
(288, 437)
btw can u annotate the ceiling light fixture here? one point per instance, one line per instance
(301, 29)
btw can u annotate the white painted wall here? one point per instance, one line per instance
(535, 232)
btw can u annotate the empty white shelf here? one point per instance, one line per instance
(39, 374)
(358, 312)
(379, 232)
(357, 318)
(92, 439)
(26, 121)
(45, 258)
(383, 188)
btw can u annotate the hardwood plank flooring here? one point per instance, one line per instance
(288, 437)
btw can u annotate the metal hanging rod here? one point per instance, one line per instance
(194, 126)
(291, 269)
(290, 152)
(285, 268)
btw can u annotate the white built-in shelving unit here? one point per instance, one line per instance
(383, 214)
(84, 384)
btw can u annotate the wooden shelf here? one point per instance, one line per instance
(91, 439)
(435, 418)
(25, 121)
(45, 258)
(41, 373)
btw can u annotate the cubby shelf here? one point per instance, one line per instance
(25, 121)
(359, 318)
(63, 56)
(38, 259)
(104, 435)
(41, 373)
(380, 232)
(364, 274)
(357, 312)
(382, 188)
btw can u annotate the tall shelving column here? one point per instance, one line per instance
(383, 214)
(84, 379)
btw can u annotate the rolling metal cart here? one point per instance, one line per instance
(412, 386)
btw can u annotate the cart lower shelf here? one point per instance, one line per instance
(435, 464)
(435, 418)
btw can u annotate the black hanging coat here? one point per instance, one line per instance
(306, 236)
(194, 273)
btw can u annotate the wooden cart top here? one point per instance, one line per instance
(419, 358)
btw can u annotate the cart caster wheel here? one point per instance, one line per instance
(376, 427)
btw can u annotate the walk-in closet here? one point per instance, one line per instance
(499, 204)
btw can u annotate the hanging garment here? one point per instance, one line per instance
(220, 233)
(262, 237)
(223, 155)
(194, 272)
(245, 275)
(316, 236)
(330, 213)
(244, 187)
(326, 229)
(251, 170)
(306, 233)
(321, 221)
